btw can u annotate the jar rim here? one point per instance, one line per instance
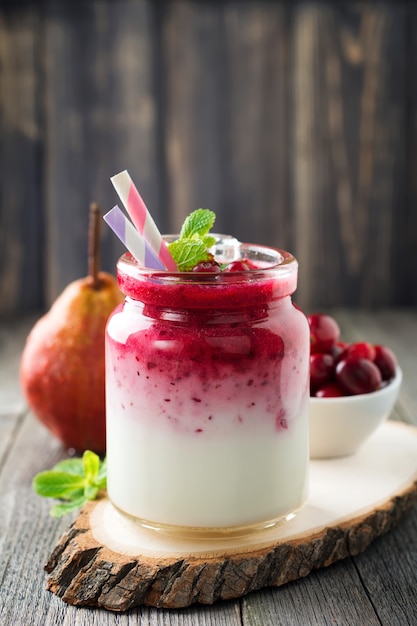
(273, 279)
(226, 250)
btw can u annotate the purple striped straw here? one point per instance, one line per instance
(130, 237)
(141, 217)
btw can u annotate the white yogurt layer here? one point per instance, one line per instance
(227, 477)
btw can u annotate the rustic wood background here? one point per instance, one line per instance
(295, 121)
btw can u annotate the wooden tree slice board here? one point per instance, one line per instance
(106, 560)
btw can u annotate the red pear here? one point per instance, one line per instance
(62, 368)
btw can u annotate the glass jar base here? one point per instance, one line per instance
(212, 532)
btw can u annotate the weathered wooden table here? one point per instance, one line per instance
(376, 587)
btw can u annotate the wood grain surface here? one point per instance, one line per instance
(104, 560)
(296, 122)
(376, 587)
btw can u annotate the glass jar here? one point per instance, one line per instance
(207, 383)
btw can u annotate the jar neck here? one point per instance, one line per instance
(251, 312)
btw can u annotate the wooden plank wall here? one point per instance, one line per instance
(295, 121)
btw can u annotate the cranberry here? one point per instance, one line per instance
(207, 267)
(337, 350)
(331, 390)
(338, 368)
(321, 369)
(386, 361)
(357, 375)
(360, 350)
(238, 266)
(324, 332)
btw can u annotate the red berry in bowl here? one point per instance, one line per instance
(338, 349)
(339, 369)
(324, 332)
(331, 390)
(386, 361)
(360, 350)
(356, 375)
(321, 369)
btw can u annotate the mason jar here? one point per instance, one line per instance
(207, 384)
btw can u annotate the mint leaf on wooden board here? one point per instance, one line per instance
(73, 481)
(54, 484)
(59, 510)
(70, 466)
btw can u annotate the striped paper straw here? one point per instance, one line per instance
(141, 217)
(129, 236)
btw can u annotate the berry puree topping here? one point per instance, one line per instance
(198, 370)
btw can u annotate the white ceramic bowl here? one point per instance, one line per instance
(339, 426)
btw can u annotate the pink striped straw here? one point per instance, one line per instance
(141, 217)
(130, 237)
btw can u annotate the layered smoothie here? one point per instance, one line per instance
(207, 395)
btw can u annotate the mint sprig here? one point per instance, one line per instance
(194, 242)
(74, 481)
(199, 222)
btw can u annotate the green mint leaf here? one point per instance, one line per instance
(75, 481)
(188, 252)
(193, 244)
(91, 462)
(209, 241)
(58, 484)
(199, 222)
(71, 466)
(91, 492)
(101, 480)
(59, 510)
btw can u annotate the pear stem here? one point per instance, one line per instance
(94, 245)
